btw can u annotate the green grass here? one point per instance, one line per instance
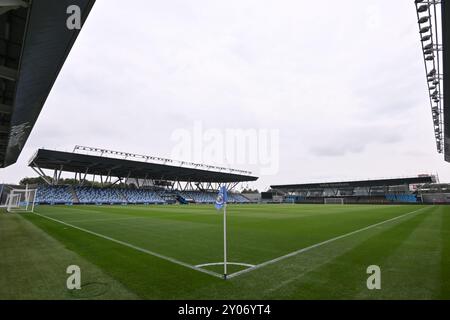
(413, 251)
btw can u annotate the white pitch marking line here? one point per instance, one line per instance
(106, 219)
(212, 273)
(320, 244)
(221, 263)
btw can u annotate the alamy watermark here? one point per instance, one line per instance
(232, 147)
(74, 280)
(73, 21)
(374, 280)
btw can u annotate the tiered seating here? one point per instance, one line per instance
(169, 197)
(64, 194)
(237, 198)
(141, 196)
(401, 197)
(54, 194)
(199, 196)
(98, 195)
(210, 197)
(293, 199)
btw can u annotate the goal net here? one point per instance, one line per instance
(333, 200)
(20, 200)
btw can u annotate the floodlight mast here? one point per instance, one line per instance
(432, 56)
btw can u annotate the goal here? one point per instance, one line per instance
(333, 200)
(21, 200)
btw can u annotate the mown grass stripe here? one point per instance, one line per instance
(181, 263)
(286, 256)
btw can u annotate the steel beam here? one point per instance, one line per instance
(42, 175)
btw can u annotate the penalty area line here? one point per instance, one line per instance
(126, 244)
(266, 263)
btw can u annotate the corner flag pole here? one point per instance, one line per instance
(221, 203)
(225, 241)
(26, 197)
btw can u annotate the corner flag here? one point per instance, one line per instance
(221, 198)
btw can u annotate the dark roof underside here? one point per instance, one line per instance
(75, 162)
(354, 184)
(34, 44)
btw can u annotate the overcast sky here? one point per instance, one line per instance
(342, 84)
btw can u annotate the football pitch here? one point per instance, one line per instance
(275, 252)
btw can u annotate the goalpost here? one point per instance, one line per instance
(333, 200)
(21, 200)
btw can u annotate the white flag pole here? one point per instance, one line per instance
(26, 197)
(225, 241)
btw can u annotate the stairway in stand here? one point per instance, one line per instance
(74, 195)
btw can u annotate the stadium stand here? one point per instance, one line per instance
(91, 195)
(292, 199)
(131, 178)
(54, 194)
(210, 197)
(141, 196)
(198, 196)
(401, 198)
(379, 191)
(99, 195)
(169, 197)
(237, 198)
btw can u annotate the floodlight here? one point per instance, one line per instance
(422, 8)
(424, 19)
